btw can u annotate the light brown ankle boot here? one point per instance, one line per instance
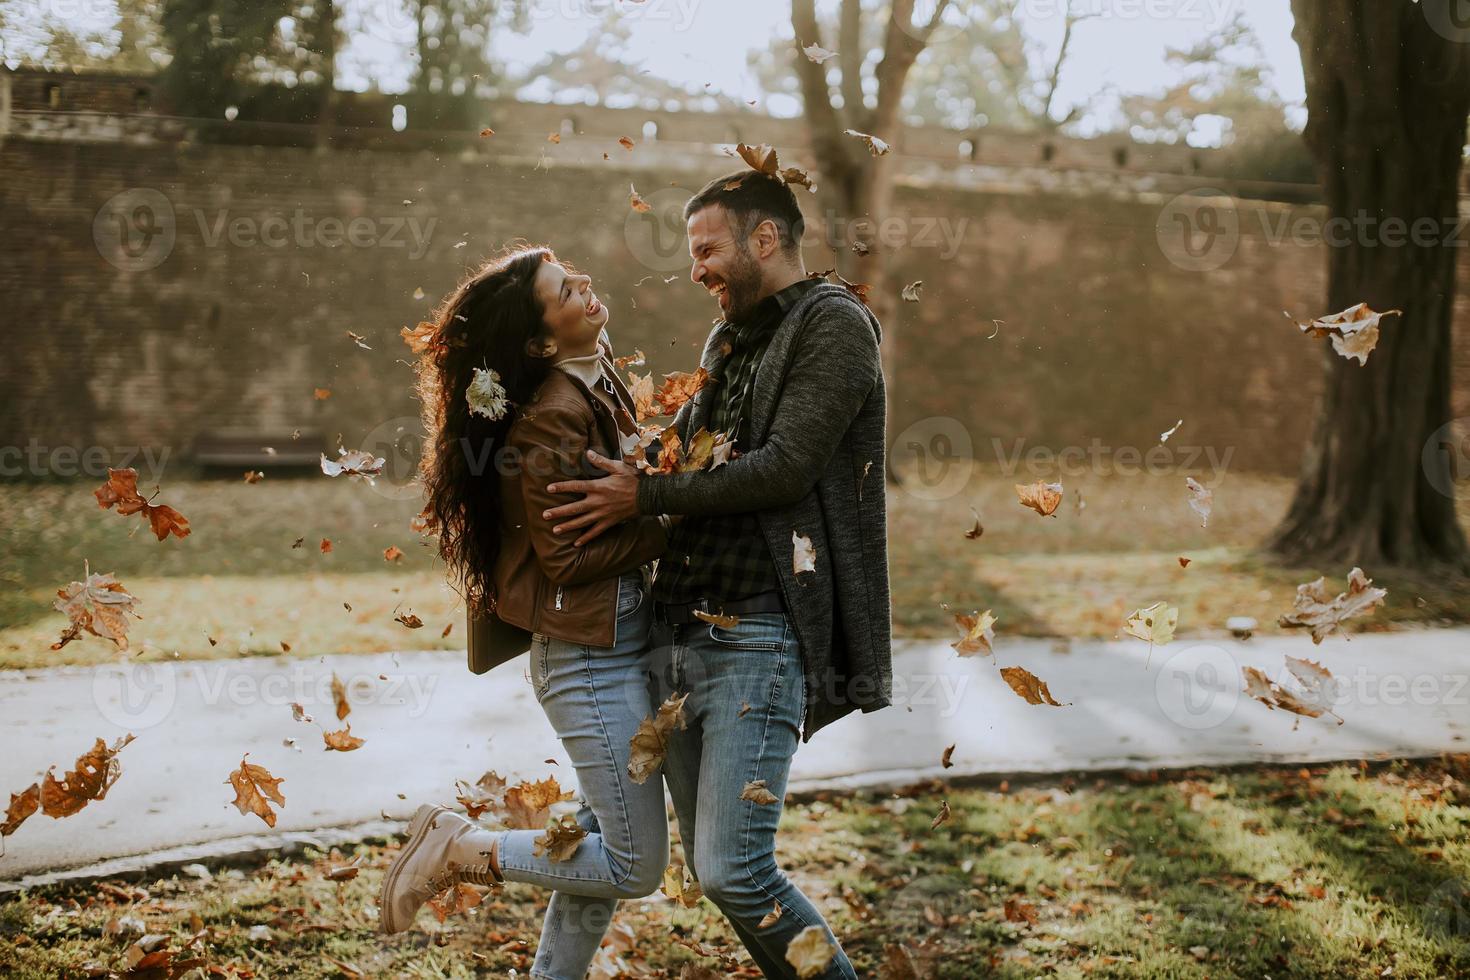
(443, 849)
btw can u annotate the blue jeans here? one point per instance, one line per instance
(595, 697)
(744, 708)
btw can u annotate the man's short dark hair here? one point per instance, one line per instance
(750, 197)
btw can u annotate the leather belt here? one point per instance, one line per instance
(677, 613)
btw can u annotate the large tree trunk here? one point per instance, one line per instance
(1387, 98)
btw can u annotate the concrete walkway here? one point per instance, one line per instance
(427, 721)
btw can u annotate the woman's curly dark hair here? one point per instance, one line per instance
(487, 322)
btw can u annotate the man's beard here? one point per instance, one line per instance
(744, 285)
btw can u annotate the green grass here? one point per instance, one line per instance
(238, 580)
(1337, 871)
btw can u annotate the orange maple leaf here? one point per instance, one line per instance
(121, 491)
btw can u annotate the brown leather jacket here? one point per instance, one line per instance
(545, 583)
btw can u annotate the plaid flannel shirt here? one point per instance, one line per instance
(725, 556)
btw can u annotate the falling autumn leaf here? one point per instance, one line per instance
(762, 158)
(910, 293)
(635, 359)
(255, 788)
(420, 338)
(254, 476)
(680, 887)
(717, 619)
(562, 838)
(1323, 614)
(487, 793)
(755, 791)
(650, 743)
(678, 388)
(1030, 687)
(1273, 695)
(1154, 625)
(944, 759)
(942, 817)
(342, 741)
(355, 463)
(454, 900)
(22, 805)
(810, 952)
(974, 533)
(392, 553)
(486, 132)
(636, 201)
(409, 620)
(553, 137)
(771, 917)
(1184, 562)
(121, 491)
(100, 606)
(325, 546)
(527, 805)
(625, 143)
(876, 146)
(1164, 437)
(1354, 331)
(339, 697)
(1042, 497)
(976, 632)
(803, 554)
(96, 770)
(643, 392)
(322, 394)
(818, 54)
(358, 339)
(1201, 500)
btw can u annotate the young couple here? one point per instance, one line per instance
(553, 546)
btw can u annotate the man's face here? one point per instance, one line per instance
(723, 262)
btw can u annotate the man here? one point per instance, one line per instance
(798, 386)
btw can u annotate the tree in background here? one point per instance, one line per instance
(1387, 100)
(453, 68)
(40, 35)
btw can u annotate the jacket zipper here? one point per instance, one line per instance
(558, 597)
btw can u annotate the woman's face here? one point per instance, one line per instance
(574, 316)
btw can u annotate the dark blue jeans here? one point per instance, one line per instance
(744, 709)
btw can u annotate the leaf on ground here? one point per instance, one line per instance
(121, 491)
(650, 743)
(1354, 331)
(100, 606)
(1324, 614)
(255, 789)
(96, 770)
(1042, 497)
(976, 633)
(897, 964)
(562, 838)
(1030, 687)
(755, 791)
(810, 952)
(1019, 911)
(342, 741)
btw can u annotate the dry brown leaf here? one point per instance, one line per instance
(636, 201)
(817, 54)
(771, 917)
(650, 743)
(254, 476)
(121, 491)
(1019, 911)
(678, 388)
(625, 143)
(96, 770)
(635, 359)
(326, 546)
(755, 791)
(354, 463)
(1184, 562)
(810, 952)
(803, 554)
(553, 137)
(255, 789)
(1273, 695)
(976, 633)
(717, 619)
(1201, 499)
(562, 838)
(1354, 331)
(1032, 688)
(876, 146)
(897, 964)
(339, 697)
(527, 805)
(342, 741)
(1323, 614)
(420, 338)
(762, 158)
(454, 900)
(942, 817)
(680, 887)
(410, 620)
(944, 759)
(486, 132)
(644, 396)
(22, 805)
(910, 293)
(1042, 497)
(488, 793)
(392, 553)
(100, 606)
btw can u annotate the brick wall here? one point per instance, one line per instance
(1101, 336)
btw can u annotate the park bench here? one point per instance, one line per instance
(258, 450)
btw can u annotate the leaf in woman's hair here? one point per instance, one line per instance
(420, 338)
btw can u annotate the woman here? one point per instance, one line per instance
(517, 385)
